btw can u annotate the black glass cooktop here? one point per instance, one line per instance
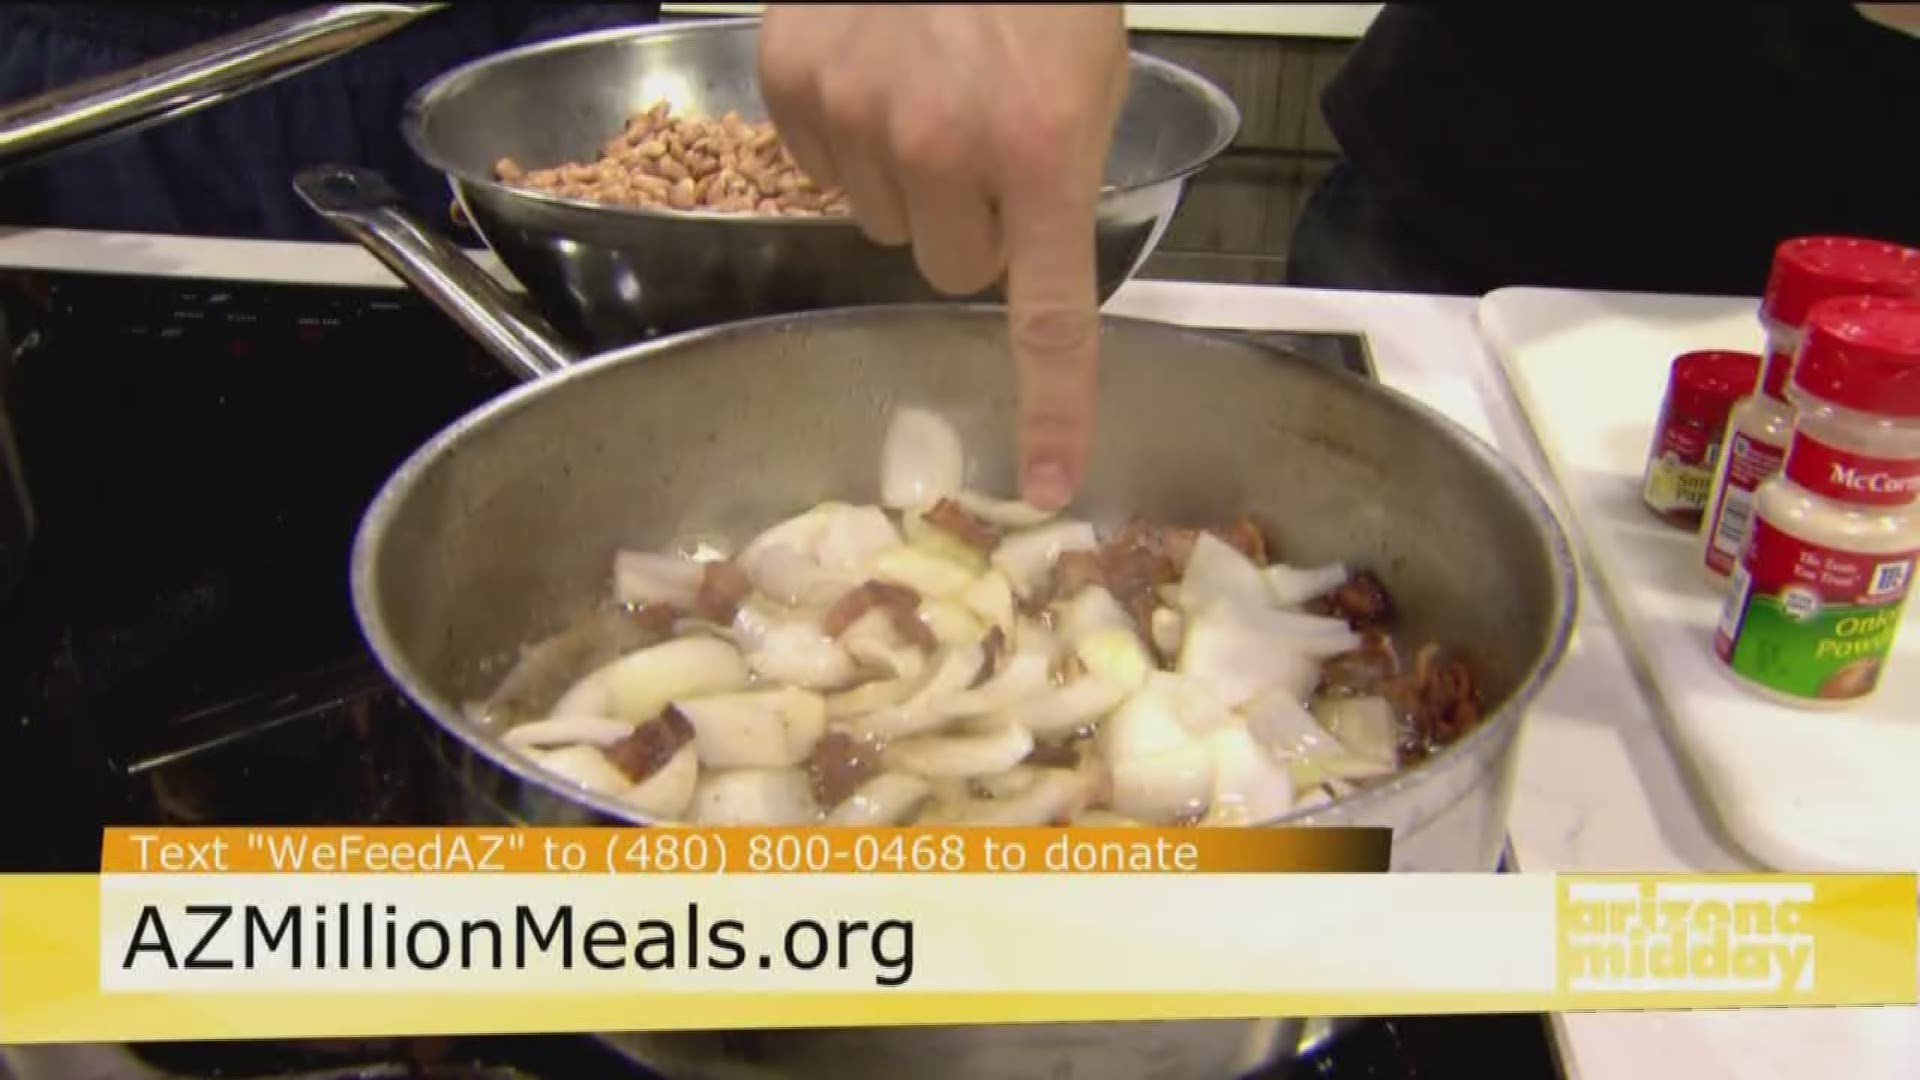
(178, 642)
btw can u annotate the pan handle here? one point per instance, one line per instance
(178, 83)
(364, 206)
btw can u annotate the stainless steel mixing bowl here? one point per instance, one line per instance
(612, 275)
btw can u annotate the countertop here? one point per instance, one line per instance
(1599, 789)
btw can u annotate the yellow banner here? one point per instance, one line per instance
(236, 954)
(743, 850)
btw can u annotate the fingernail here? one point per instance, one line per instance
(1048, 486)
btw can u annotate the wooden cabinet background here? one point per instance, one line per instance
(1240, 212)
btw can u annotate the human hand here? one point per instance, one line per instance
(978, 134)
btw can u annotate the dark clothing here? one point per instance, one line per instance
(1645, 147)
(227, 170)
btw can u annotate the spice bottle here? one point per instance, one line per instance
(1702, 388)
(1806, 270)
(1819, 588)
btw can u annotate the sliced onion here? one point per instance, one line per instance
(1217, 574)
(754, 797)
(950, 799)
(951, 623)
(584, 766)
(1105, 819)
(691, 627)
(853, 537)
(977, 749)
(1366, 726)
(641, 577)
(1249, 786)
(1165, 787)
(563, 730)
(666, 793)
(887, 799)
(1006, 513)
(786, 574)
(1092, 608)
(1335, 770)
(1006, 785)
(702, 548)
(940, 543)
(1315, 635)
(1022, 676)
(1057, 794)
(802, 532)
(921, 460)
(991, 599)
(1115, 654)
(755, 618)
(638, 685)
(870, 697)
(873, 640)
(1027, 557)
(799, 653)
(1169, 628)
(764, 729)
(1313, 798)
(955, 672)
(929, 575)
(1293, 586)
(1280, 723)
(1240, 654)
(1066, 709)
(1032, 635)
(1147, 724)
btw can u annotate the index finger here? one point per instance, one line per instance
(1053, 320)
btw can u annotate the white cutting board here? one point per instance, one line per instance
(1799, 790)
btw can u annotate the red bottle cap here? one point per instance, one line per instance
(1863, 353)
(1705, 385)
(1809, 269)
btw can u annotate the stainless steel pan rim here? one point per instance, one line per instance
(420, 106)
(453, 719)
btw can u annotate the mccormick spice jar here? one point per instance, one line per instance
(1806, 270)
(1818, 591)
(1702, 389)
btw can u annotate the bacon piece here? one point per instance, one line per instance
(1361, 600)
(901, 604)
(993, 646)
(1441, 700)
(908, 624)
(650, 622)
(839, 764)
(1143, 557)
(722, 587)
(948, 516)
(1076, 570)
(1135, 563)
(1053, 756)
(892, 595)
(847, 610)
(648, 748)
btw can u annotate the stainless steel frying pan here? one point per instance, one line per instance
(502, 529)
